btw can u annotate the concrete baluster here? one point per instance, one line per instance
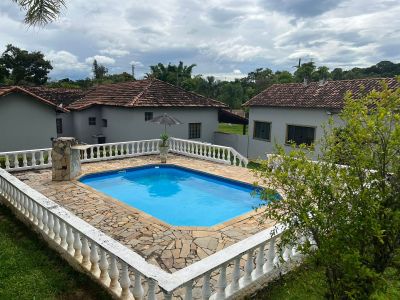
(70, 240)
(138, 291)
(45, 220)
(85, 253)
(125, 282)
(34, 213)
(77, 246)
(104, 277)
(248, 268)
(56, 229)
(269, 265)
(189, 290)
(41, 158)
(16, 162)
(94, 259)
(151, 294)
(7, 162)
(24, 160)
(50, 224)
(40, 217)
(63, 235)
(260, 261)
(114, 275)
(206, 289)
(235, 276)
(221, 284)
(49, 159)
(33, 158)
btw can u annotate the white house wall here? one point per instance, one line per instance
(67, 124)
(80, 124)
(279, 119)
(25, 123)
(125, 124)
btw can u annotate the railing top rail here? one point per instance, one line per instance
(200, 143)
(23, 151)
(223, 256)
(119, 143)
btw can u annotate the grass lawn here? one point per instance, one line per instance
(308, 283)
(30, 270)
(231, 128)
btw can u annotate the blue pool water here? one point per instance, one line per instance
(177, 195)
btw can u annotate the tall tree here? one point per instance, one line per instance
(99, 71)
(174, 74)
(40, 12)
(305, 72)
(23, 67)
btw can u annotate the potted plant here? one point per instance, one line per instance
(164, 147)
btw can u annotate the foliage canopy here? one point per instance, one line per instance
(350, 214)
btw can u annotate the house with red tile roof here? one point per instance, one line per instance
(297, 111)
(105, 113)
(27, 120)
(120, 111)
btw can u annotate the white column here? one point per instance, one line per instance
(77, 246)
(269, 265)
(138, 291)
(114, 275)
(151, 294)
(189, 290)
(85, 253)
(94, 259)
(206, 290)
(104, 277)
(221, 284)
(248, 268)
(125, 282)
(235, 276)
(259, 261)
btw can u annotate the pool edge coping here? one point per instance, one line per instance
(251, 214)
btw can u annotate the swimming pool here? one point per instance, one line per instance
(177, 195)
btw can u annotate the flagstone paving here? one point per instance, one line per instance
(172, 248)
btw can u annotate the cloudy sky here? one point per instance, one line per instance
(226, 38)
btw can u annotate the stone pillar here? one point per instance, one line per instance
(66, 161)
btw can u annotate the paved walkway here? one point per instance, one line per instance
(169, 247)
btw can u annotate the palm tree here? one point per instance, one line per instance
(40, 12)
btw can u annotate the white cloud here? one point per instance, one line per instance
(114, 52)
(237, 71)
(218, 35)
(136, 63)
(64, 60)
(101, 59)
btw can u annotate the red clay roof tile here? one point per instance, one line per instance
(143, 93)
(315, 95)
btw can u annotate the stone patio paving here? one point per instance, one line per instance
(171, 248)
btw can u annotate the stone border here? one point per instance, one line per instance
(247, 215)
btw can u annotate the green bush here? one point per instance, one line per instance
(351, 215)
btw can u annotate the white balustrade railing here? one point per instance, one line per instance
(217, 153)
(108, 151)
(126, 274)
(26, 159)
(41, 158)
